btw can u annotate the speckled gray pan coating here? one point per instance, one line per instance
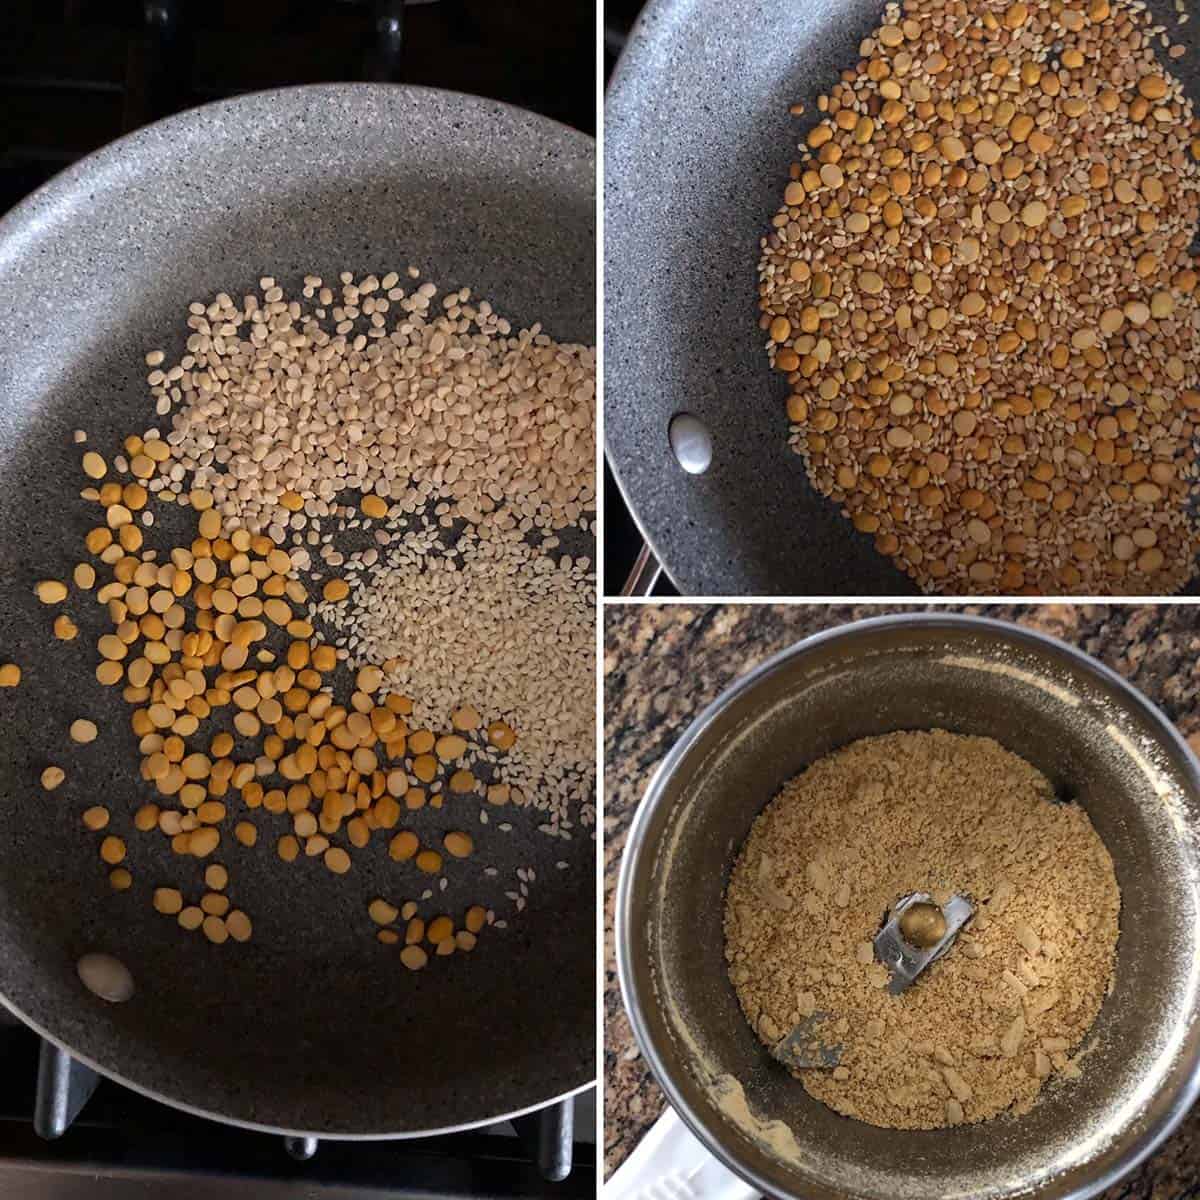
(697, 144)
(312, 1025)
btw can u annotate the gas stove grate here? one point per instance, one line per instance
(75, 74)
(57, 1115)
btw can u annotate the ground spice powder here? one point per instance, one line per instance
(1010, 1004)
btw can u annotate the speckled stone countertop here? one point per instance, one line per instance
(663, 663)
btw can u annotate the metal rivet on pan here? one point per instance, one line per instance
(690, 443)
(106, 977)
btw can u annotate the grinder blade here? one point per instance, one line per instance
(803, 1049)
(904, 959)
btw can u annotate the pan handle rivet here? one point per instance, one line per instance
(690, 443)
(106, 977)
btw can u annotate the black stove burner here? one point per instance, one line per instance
(58, 1116)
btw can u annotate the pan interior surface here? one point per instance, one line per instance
(686, 204)
(1046, 704)
(311, 1026)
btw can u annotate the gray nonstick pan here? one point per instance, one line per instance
(310, 1027)
(698, 139)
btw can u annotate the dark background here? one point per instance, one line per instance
(75, 74)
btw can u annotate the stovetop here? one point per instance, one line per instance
(122, 1145)
(74, 75)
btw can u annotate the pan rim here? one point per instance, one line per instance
(23, 221)
(281, 1130)
(12, 222)
(612, 97)
(637, 1001)
(611, 461)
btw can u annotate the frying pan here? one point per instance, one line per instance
(698, 139)
(312, 1026)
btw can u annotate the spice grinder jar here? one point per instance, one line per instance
(1098, 741)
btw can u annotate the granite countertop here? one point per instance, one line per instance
(664, 662)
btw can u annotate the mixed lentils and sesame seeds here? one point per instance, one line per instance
(474, 450)
(466, 604)
(980, 289)
(468, 638)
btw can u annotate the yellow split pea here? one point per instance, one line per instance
(51, 591)
(83, 731)
(337, 755)
(413, 957)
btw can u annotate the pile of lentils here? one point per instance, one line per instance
(279, 406)
(462, 624)
(980, 290)
(474, 448)
(497, 617)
